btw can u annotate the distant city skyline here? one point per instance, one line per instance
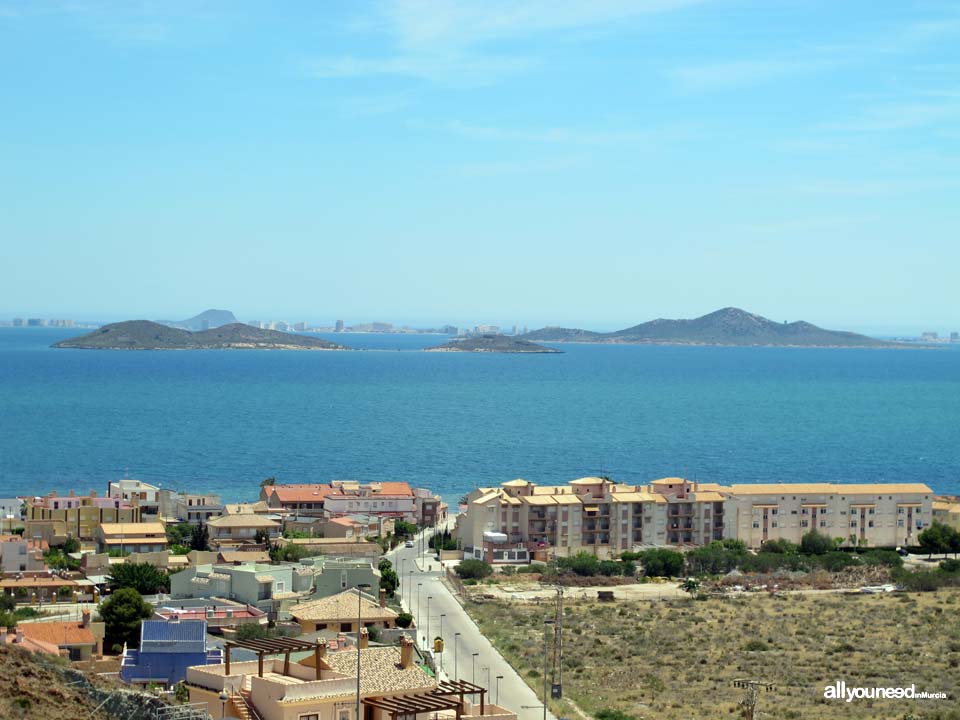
(63, 320)
(587, 164)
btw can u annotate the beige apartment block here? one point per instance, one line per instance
(521, 521)
(874, 515)
(56, 517)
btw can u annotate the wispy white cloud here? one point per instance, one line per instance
(901, 115)
(449, 68)
(574, 136)
(495, 168)
(371, 105)
(738, 73)
(450, 40)
(420, 24)
(727, 74)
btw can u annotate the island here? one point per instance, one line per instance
(728, 326)
(147, 335)
(492, 344)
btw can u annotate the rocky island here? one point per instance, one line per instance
(729, 326)
(492, 344)
(147, 335)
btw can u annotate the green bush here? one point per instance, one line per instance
(950, 566)
(404, 620)
(473, 569)
(662, 562)
(756, 646)
(888, 558)
(609, 568)
(814, 543)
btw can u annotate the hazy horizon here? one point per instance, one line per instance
(315, 320)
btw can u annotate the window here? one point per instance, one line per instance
(853, 523)
(343, 715)
(899, 523)
(756, 524)
(314, 716)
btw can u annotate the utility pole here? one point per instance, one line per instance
(751, 699)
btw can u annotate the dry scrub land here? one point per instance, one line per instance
(678, 658)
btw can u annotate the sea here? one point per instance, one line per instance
(222, 421)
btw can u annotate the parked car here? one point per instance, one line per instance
(408, 543)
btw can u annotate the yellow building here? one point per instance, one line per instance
(54, 518)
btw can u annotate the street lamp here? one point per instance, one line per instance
(429, 638)
(456, 643)
(360, 588)
(419, 585)
(497, 701)
(486, 669)
(400, 578)
(410, 586)
(546, 625)
(473, 669)
(223, 703)
(441, 640)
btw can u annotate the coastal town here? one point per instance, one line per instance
(334, 599)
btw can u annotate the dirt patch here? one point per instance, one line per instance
(679, 658)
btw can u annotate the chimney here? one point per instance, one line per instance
(364, 638)
(406, 653)
(383, 598)
(19, 639)
(3, 636)
(322, 647)
(86, 619)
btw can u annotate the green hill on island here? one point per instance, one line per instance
(492, 344)
(147, 335)
(729, 326)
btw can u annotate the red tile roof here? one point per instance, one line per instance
(58, 633)
(301, 493)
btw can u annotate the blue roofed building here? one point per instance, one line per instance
(167, 649)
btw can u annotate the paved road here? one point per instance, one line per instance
(488, 663)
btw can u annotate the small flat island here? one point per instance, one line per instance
(147, 335)
(492, 344)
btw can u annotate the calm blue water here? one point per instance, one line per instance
(222, 421)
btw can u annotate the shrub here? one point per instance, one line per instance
(888, 558)
(609, 568)
(814, 543)
(950, 566)
(662, 561)
(779, 545)
(756, 646)
(509, 570)
(473, 569)
(404, 620)
(607, 714)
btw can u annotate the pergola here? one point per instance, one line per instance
(274, 646)
(448, 695)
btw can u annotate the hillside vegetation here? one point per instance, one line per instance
(729, 326)
(677, 659)
(147, 335)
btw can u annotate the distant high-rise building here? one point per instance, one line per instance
(955, 337)
(280, 325)
(300, 326)
(255, 323)
(513, 330)
(930, 336)
(36, 322)
(339, 326)
(525, 330)
(19, 322)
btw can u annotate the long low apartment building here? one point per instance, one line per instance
(522, 521)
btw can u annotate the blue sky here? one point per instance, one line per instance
(543, 162)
